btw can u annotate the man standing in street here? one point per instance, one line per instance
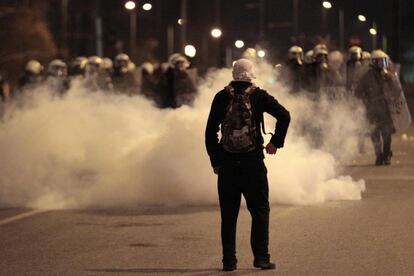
(238, 157)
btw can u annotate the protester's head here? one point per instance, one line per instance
(243, 70)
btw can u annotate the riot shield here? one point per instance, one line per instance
(397, 103)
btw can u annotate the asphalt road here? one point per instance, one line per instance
(374, 236)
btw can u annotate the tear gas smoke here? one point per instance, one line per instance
(99, 150)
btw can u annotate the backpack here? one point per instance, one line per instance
(238, 129)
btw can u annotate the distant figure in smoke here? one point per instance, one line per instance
(335, 80)
(149, 82)
(96, 78)
(177, 85)
(295, 74)
(32, 76)
(353, 68)
(238, 159)
(123, 78)
(321, 68)
(308, 68)
(57, 76)
(371, 90)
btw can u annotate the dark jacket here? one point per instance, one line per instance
(261, 102)
(371, 91)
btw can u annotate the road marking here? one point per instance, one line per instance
(21, 216)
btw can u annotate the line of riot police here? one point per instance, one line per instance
(170, 85)
(368, 77)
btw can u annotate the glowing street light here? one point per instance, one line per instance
(216, 33)
(239, 44)
(180, 21)
(362, 18)
(147, 7)
(373, 31)
(327, 4)
(130, 5)
(261, 54)
(190, 51)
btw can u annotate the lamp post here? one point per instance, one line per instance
(130, 6)
(373, 31)
(326, 5)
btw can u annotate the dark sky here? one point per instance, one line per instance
(238, 19)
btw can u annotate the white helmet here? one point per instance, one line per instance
(355, 53)
(320, 49)
(148, 67)
(309, 57)
(107, 64)
(34, 67)
(335, 59)
(122, 57)
(243, 70)
(380, 60)
(57, 68)
(366, 55)
(249, 53)
(178, 60)
(295, 52)
(95, 61)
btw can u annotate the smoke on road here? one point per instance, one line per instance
(89, 150)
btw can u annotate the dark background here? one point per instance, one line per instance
(46, 29)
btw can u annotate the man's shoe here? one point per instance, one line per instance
(229, 267)
(264, 265)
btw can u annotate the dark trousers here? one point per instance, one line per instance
(250, 179)
(382, 147)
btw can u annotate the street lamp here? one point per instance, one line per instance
(130, 5)
(362, 18)
(326, 4)
(239, 44)
(180, 21)
(216, 33)
(147, 7)
(190, 51)
(373, 31)
(261, 53)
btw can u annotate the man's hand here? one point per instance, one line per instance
(271, 149)
(216, 170)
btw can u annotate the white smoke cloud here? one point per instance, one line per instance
(98, 150)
